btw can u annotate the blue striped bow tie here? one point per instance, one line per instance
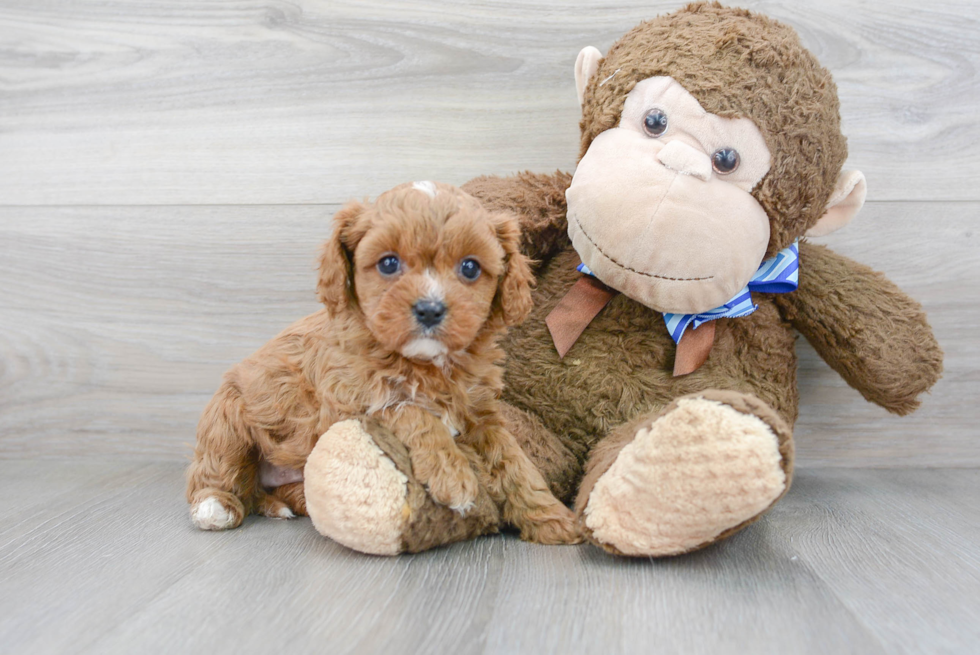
(778, 274)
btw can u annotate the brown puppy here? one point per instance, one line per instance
(418, 288)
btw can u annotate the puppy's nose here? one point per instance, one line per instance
(429, 312)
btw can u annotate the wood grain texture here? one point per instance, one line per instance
(276, 101)
(168, 169)
(857, 530)
(118, 323)
(852, 561)
(932, 251)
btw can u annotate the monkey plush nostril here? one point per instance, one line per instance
(683, 159)
(429, 313)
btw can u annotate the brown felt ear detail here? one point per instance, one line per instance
(335, 288)
(513, 300)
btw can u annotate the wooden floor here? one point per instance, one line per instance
(100, 558)
(167, 170)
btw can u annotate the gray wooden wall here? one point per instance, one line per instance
(168, 167)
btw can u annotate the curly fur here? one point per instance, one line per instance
(361, 357)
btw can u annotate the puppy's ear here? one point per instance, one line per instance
(513, 300)
(335, 288)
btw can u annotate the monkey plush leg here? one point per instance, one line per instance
(360, 492)
(866, 328)
(674, 481)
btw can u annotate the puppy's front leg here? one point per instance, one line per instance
(436, 460)
(516, 482)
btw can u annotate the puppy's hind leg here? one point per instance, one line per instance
(519, 486)
(221, 481)
(283, 502)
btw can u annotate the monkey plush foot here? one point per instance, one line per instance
(705, 467)
(361, 493)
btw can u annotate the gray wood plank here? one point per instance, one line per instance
(84, 561)
(747, 595)
(118, 322)
(316, 596)
(852, 561)
(316, 101)
(888, 543)
(57, 486)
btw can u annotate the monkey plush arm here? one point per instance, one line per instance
(869, 331)
(539, 202)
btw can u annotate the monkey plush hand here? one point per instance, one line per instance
(655, 381)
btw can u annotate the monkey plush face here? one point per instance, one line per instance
(661, 206)
(710, 142)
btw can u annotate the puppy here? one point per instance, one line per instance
(418, 288)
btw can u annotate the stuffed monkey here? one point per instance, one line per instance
(654, 383)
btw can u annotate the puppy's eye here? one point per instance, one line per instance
(655, 123)
(389, 265)
(469, 269)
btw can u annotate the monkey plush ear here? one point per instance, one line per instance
(335, 288)
(585, 68)
(845, 202)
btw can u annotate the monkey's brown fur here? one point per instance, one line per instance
(738, 64)
(577, 416)
(346, 362)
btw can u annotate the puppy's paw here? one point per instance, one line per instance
(275, 509)
(464, 509)
(293, 497)
(451, 482)
(552, 526)
(216, 510)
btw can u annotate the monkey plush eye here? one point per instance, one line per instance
(469, 269)
(388, 265)
(725, 160)
(655, 122)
